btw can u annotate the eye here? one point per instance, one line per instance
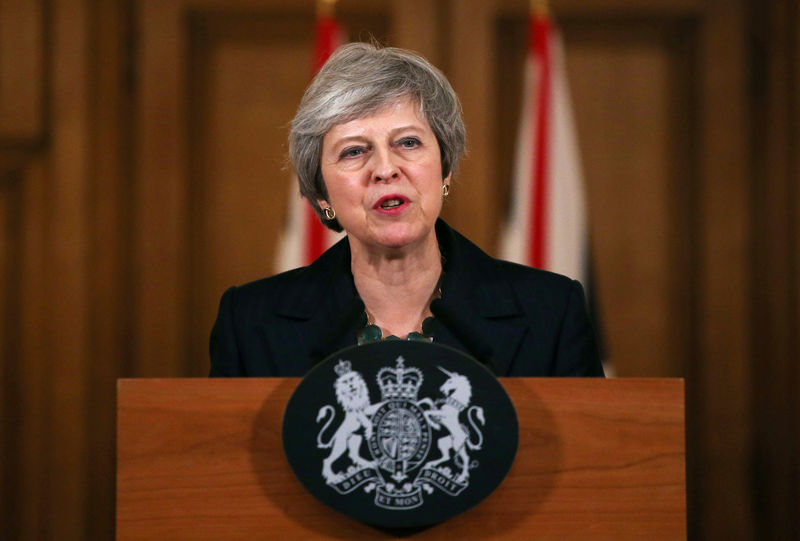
(352, 152)
(409, 142)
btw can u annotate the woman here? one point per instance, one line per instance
(374, 143)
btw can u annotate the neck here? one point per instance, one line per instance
(397, 286)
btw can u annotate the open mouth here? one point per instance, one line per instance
(391, 202)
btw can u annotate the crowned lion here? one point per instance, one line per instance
(353, 395)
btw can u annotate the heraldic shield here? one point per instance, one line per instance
(399, 433)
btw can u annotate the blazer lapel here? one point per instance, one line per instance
(485, 302)
(491, 335)
(324, 316)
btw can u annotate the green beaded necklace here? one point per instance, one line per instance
(372, 333)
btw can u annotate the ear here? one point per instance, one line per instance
(446, 180)
(322, 203)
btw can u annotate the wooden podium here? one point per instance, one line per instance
(598, 459)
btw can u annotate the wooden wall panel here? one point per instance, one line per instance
(159, 201)
(23, 378)
(793, 83)
(472, 205)
(776, 216)
(22, 83)
(33, 359)
(22, 70)
(68, 288)
(622, 78)
(10, 395)
(720, 389)
(5, 485)
(110, 256)
(417, 24)
(249, 78)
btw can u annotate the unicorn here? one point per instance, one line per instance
(445, 412)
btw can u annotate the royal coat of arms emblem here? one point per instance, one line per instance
(400, 432)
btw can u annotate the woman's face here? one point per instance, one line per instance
(384, 176)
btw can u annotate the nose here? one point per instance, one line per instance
(384, 167)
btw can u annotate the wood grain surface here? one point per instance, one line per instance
(598, 459)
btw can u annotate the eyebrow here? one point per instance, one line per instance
(392, 132)
(349, 138)
(403, 128)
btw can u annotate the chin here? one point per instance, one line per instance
(402, 235)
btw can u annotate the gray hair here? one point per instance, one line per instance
(358, 80)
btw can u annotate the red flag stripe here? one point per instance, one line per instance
(326, 31)
(539, 43)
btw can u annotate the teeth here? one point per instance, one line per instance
(389, 203)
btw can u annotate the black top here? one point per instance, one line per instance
(518, 320)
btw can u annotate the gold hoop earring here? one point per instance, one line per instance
(330, 214)
(445, 190)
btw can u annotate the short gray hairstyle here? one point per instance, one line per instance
(358, 80)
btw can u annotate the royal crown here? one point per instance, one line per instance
(342, 368)
(399, 382)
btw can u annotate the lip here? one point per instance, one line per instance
(394, 210)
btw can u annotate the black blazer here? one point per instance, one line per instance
(518, 320)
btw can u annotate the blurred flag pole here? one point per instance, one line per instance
(547, 226)
(304, 237)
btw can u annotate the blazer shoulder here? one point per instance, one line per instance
(291, 293)
(533, 276)
(539, 290)
(272, 285)
(469, 254)
(294, 293)
(495, 284)
(526, 279)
